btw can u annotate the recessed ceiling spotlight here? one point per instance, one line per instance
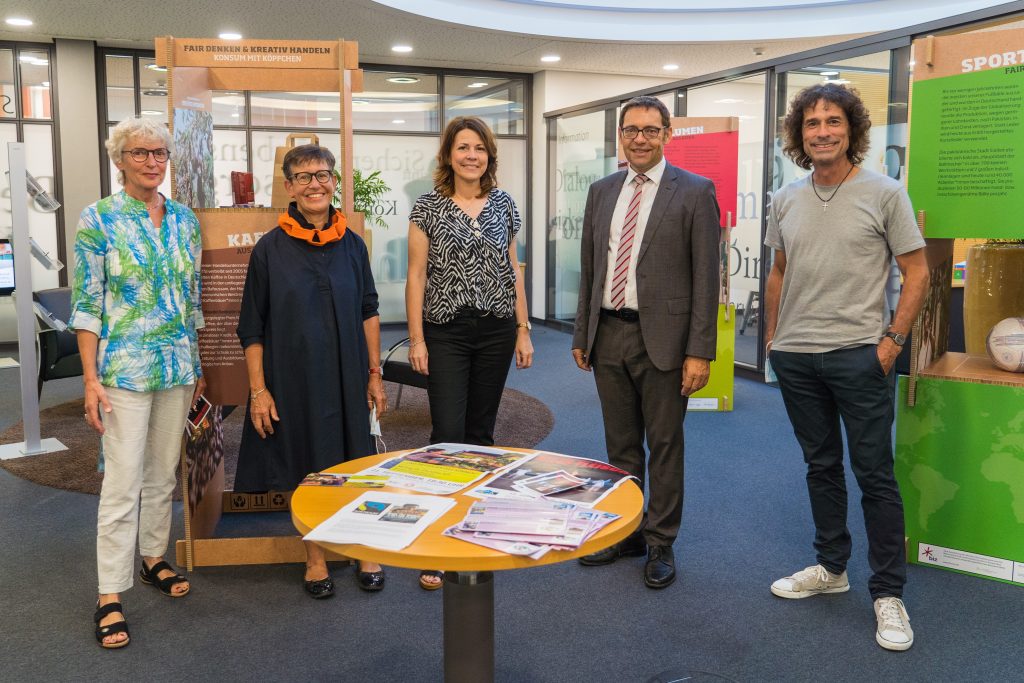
(728, 100)
(550, 58)
(401, 48)
(324, 118)
(355, 102)
(152, 112)
(670, 67)
(403, 79)
(228, 35)
(829, 73)
(235, 115)
(478, 84)
(398, 121)
(681, 95)
(154, 93)
(18, 21)
(156, 67)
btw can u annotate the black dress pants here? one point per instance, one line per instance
(848, 385)
(468, 362)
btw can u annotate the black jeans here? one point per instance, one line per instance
(468, 362)
(819, 390)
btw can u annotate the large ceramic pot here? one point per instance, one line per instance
(994, 290)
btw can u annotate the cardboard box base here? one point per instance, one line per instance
(220, 552)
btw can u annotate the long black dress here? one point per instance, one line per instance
(306, 304)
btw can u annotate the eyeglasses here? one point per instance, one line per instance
(140, 154)
(322, 177)
(650, 132)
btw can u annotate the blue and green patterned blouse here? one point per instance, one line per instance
(137, 288)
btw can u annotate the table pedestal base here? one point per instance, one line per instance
(468, 627)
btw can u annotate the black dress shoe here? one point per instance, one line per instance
(633, 546)
(660, 570)
(320, 588)
(370, 581)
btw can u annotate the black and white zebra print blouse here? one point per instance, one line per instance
(468, 264)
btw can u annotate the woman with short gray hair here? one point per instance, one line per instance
(136, 312)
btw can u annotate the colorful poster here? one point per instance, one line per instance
(709, 146)
(966, 158)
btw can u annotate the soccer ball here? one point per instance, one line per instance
(1005, 344)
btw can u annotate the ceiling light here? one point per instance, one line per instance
(670, 67)
(478, 84)
(550, 58)
(681, 95)
(45, 84)
(829, 73)
(235, 115)
(398, 121)
(355, 102)
(156, 67)
(325, 118)
(401, 48)
(403, 79)
(152, 112)
(154, 93)
(230, 36)
(728, 100)
(18, 21)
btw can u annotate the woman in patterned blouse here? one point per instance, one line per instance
(135, 311)
(464, 296)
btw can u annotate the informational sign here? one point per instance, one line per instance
(228, 238)
(709, 146)
(966, 157)
(295, 54)
(6, 267)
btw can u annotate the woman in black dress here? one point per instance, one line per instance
(311, 333)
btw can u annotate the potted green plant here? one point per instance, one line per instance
(367, 192)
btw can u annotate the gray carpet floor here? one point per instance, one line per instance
(746, 522)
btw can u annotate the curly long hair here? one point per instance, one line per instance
(444, 175)
(848, 99)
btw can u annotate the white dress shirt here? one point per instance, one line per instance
(650, 190)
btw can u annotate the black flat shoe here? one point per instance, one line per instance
(660, 570)
(319, 589)
(633, 546)
(370, 581)
(148, 575)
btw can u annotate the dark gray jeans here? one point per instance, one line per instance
(819, 390)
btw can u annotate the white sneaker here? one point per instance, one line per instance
(894, 632)
(811, 581)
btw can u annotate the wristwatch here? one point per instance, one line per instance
(527, 325)
(897, 338)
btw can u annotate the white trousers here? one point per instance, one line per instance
(141, 448)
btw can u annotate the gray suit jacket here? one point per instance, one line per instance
(677, 271)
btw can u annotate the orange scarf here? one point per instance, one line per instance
(318, 238)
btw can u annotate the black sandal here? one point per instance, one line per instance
(110, 629)
(149, 576)
(431, 573)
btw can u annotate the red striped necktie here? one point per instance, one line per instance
(626, 243)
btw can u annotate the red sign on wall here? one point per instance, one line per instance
(709, 146)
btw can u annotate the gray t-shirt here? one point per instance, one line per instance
(838, 259)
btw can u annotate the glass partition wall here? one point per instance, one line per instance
(397, 121)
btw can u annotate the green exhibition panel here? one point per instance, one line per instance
(960, 467)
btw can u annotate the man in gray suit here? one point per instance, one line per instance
(646, 322)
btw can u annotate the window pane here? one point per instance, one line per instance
(228, 108)
(35, 84)
(7, 99)
(230, 153)
(498, 101)
(301, 110)
(120, 87)
(744, 99)
(153, 81)
(8, 133)
(406, 164)
(396, 102)
(512, 179)
(584, 152)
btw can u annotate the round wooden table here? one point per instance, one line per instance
(469, 578)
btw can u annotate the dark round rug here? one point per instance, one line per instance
(523, 422)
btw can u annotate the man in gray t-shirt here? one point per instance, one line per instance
(833, 346)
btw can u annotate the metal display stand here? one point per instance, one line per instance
(23, 252)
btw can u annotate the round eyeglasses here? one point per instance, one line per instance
(140, 154)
